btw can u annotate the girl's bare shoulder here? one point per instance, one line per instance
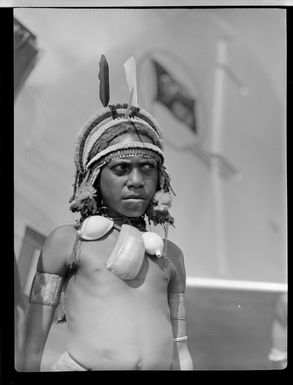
(56, 249)
(174, 252)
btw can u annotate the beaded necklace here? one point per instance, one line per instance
(119, 219)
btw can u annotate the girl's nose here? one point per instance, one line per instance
(135, 179)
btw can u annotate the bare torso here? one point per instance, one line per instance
(116, 324)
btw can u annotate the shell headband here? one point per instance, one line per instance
(94, 149)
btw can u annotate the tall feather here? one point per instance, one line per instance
(104, 81)
(130, 72)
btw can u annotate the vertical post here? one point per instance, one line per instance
(215, 149)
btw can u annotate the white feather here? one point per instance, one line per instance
(130, 72)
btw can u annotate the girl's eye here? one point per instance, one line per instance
(120, 168)
(148, 167)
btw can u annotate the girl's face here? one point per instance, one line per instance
(129, 184)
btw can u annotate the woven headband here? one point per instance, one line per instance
(121, 146)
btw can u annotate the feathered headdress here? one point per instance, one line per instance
(94, 148)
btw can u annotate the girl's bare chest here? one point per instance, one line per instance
(95, 254)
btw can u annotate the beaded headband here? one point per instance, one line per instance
(97, 132)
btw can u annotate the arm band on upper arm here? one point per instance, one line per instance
(177, 307)
(180, 339)
(46, 289)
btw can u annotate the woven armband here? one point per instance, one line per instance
(177, 307)
(180, 339)
(46, 289)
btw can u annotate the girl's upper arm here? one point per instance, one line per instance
(177, 281)
(176, 290)
(56, 250)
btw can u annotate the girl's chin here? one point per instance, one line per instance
(133, 208)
